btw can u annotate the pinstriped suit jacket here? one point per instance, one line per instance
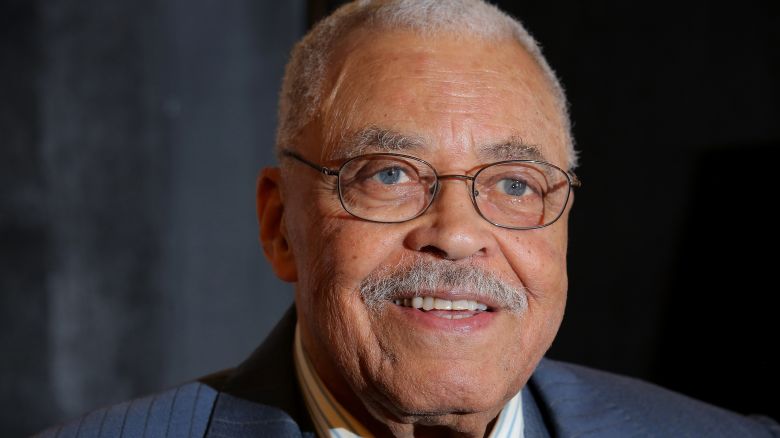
(261, 398)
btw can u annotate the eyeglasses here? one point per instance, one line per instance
(392, 188)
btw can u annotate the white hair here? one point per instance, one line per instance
(426, 276)
(301, 92)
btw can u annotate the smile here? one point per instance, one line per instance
(428, 303)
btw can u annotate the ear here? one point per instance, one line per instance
(273, 232)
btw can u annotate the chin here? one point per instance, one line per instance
(440, 409)
(432, 397)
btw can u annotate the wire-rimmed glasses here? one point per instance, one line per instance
(392, 188)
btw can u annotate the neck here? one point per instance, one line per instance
(452, 425)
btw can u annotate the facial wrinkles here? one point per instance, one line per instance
(471, 94)
(465, 118)
(460, 91)
(438, 81)
(535, 264)
(339, 106)
(329, 293)
(490, 86)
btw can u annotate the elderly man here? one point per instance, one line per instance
(420, 209)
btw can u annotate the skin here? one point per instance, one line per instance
(395, 374)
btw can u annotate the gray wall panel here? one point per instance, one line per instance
(132, 134)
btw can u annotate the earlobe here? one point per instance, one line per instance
(273, 232)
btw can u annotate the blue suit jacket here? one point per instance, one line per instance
(261, 398)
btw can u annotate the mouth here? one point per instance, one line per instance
(444, 308)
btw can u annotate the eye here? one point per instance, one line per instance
(391, 175)
(513, 187)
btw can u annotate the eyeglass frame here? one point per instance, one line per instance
(572, 181)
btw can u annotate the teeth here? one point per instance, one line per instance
(460, 305)
(431, 303)
(440, 304)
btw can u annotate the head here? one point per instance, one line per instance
(459, 85)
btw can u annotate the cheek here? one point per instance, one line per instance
(336, 255)
(538, 258)
(359, 248)
(338, 321)
(313, 222)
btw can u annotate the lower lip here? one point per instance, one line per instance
(432, 320)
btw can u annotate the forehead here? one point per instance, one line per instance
(452, 95)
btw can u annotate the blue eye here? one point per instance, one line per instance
(513, 187)
(391, 175)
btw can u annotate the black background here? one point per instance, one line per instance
(119, 171)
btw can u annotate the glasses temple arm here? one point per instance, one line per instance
(318, 168)
(575, 180)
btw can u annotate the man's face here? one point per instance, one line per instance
(460, 97)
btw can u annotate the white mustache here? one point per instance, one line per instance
(424, 275)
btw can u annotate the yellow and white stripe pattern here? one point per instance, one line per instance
(333, 421)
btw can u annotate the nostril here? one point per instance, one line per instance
(430, 249)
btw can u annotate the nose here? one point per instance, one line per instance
(451, 228)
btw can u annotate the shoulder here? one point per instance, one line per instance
(237, 417)
(584, 401)
(190, 410)
(180, 411)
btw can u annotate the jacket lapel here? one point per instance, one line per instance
(267, 377)
(533, 419)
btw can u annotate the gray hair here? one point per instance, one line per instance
(303, 80)
(426, 276)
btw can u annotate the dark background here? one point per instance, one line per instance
(131, 134)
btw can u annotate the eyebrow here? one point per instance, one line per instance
(512, 149)
(374, 139)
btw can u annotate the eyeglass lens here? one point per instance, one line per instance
(390, 188)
